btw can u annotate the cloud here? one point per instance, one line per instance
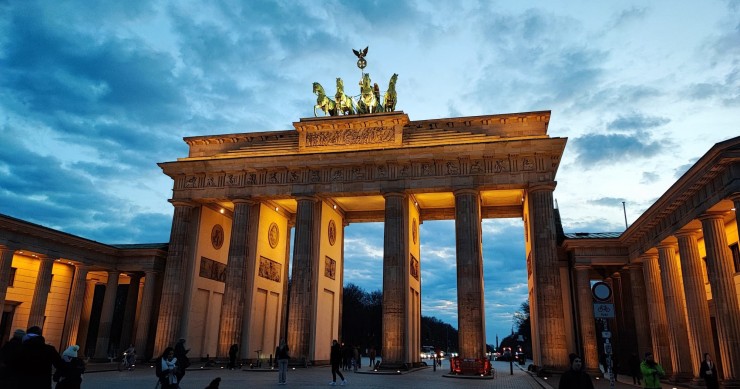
(594, 149)
(636, 122)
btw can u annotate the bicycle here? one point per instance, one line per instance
(126, 364)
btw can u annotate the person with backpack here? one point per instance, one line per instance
(181, 355)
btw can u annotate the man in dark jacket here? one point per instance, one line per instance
(34, 361)
(575, 377)
(9, 354)
(335, 357)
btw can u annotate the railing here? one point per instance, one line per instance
(470, 366)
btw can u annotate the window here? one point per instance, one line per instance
(11, 279)
(735, 256)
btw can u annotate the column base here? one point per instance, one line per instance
(680, 377)
(729, 384)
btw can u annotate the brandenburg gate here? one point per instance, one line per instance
(237, 197)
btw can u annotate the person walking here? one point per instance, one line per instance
(335, 357)
(651, 371)
(575, 377)
(233, 352)
(281, 354)
(708, 371)
(8, 356)
(371, 354)
(35, 359)
(181, 355)
(70, 377)
(166, 369)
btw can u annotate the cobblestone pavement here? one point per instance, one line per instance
(101, 376)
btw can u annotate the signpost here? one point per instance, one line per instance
(603, 310)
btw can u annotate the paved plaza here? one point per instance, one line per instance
(319, 377)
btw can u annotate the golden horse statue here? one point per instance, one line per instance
(390, 98)
(323, 102)
(345, 104)
(368, 103)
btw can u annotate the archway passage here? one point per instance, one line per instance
(329, 172)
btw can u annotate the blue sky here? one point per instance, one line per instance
(94, 94)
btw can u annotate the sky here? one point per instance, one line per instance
(94, 94)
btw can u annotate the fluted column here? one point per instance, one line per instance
(468, 244)
(41, 292)
(171, 303)
(106, 315)
(697, 308)
(305, 267)
(657, 313)
(74, 306)
(720, 271)
(394, 279)
(639, 306)
(586, 318)
(129, 315)
(232, 305)
(678, 340)
(6, 262)
(145, 317)
(548, 292)
(628, 340)
(84, 326)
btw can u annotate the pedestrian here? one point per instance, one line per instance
(651, 372)
(9, 355)
(282, 356)
(708, 371)
(335, 357)
(634, 365)
(35, 359)
(575, 377)
(346, 356)
(233, 352)
(181, 354)
(70, 376)
(166, 369)
(355, 358)
(371, 354)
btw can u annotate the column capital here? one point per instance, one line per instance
(473, 191)
(243, 200)
(686, 233)
(306, 197)
(9, 247)
(182, 203)
(393, 194)
(713, 215)
(634, 265)
(582, 266)
(542, 186)
(735, 196)
(666, 245)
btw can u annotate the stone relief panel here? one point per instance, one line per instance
(330, 268)
(364, 136)
(414, 267)
(421, 169)
(213, 270)
(270, 269)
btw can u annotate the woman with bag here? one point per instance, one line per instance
(166, 369)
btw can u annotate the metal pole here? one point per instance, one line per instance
(624, 208)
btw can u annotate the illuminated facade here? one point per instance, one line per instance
(241, 199)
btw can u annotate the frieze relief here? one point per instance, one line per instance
(351, 136)
(422, 169)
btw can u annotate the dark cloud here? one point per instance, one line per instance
(593, 149)
(607, 202)
(636, 122)
(649, 177)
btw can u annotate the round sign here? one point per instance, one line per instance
(601, 291)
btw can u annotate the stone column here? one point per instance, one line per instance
(41, 292)
(548, 294)
(106, 315)
(699, 322)
(305, 267)
(171, 303)
(6, 262)
(720, 271)
(84, 326)
(639, 306)
(74, 307)
(678, 339)
(394, 279)
(232, 306)
(145, 315)
(626, 315)
(286, 277)
(468, 243)
(657, 313)
(129, 315)
(586, 318)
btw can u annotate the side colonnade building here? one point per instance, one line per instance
(241, 200)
